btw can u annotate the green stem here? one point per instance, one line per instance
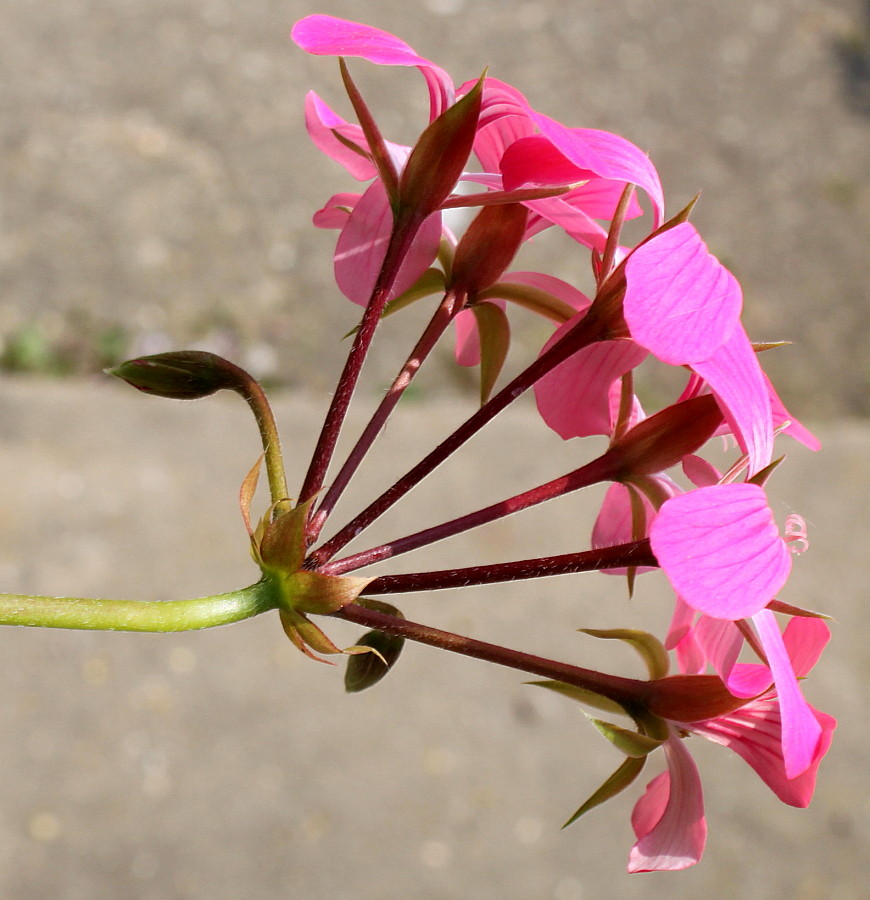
(87, 613)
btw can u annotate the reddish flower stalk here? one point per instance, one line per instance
(400, 241)
(636, 553)
(434, 330)
(587, 331)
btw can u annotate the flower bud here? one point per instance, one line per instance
(180, 375)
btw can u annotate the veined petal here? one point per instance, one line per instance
(574, 399)
(362, 246)
(608, 156)
(754, 732)
(322, 123)
(680, 302)
(801, 730)
(721, 549)
(324, 35)
(669, 819)
(736, 379)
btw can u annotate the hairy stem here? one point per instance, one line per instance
(587, 331)
(636, 553)
(402, 236)
(436, 327)
(627, 691)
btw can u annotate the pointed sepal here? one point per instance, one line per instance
(618, 782)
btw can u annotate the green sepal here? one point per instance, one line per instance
(486, 249)
(789, 610)
(581, 695)
(618, 782)
(495, 339)
(650, 648)
(531, 298)
(307, 637)
(380, 156)
(313, 592)
(430, 282)
(760, 478)
(629, 742)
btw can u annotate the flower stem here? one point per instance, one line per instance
(134, 615)
(436, 327)
(403, 234)
(636, 553)
(594, 472)
(628, 692)
(587, 331)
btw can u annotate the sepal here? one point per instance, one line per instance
(618, 782)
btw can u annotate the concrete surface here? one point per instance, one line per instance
(157, 185)
(222, 764)
(156, 189)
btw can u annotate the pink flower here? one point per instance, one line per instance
(669, 819)
(684, 306)
(596, 164)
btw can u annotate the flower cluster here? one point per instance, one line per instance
(666, 296)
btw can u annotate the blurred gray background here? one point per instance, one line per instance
(156, 192)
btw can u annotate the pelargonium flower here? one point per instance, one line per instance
(596, 165)
(669, 818)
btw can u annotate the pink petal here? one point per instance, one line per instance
(608, 156)
(681, 624)
(573, 220)
(574, 398)
(794, 429)
(721, 550)
(336, 212)
(721, 643)
(804, 640)
(801, 730)
(672, 831)
(535, 161)
(736, 379)
(614, 522)
(754, 732)
(680, 302)
(322, 125)
(362, 246)
(327, 36)
(700, 472)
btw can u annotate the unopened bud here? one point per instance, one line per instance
(180, 375)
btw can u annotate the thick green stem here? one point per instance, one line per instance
(86, 613)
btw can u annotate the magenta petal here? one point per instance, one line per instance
(755, 733)
(574, 399)
(800, 729)
(327, 36)
(680, 303)
(721, 550)
(362, 246)
(721, 643)
(736, 379)
(613, 524)
(322, 124)
(608, 156)
(804, 640)
(673, 838)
